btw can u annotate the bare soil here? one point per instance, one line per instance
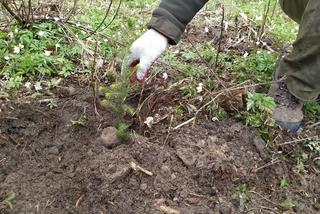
(212, 167)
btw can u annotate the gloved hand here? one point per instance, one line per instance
(144, 52)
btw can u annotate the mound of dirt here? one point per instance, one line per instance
(214, 167)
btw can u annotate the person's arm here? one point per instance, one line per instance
(167, 24)
(172, 17)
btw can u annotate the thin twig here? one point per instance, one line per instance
(272, 162)
(261, 32)
(207, 63)
(93, 80)
(72, 10)
(114, 16)
(220, 38)
(299, 140)
(184, 123)
(29, 10)
(79, 201)
(13, 14)
(169, 130)
(136, 167)
(313, 125)
(218, 94)
(102, 22)
(266, 199)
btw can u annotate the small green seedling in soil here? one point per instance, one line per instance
(80, 122)
(284, 182)
(9, 199)
(123, 132)
(234, 178)
(301, 159)
(115, 96)
(242, 189)
(52, 104)
(288, 204)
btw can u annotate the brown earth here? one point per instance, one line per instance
(212, 167)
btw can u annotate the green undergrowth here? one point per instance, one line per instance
(35, 52)
(47, 51)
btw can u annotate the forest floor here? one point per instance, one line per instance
(195, 146)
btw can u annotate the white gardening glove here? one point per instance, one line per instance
(144, 52)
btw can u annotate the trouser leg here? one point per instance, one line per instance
(302, 66)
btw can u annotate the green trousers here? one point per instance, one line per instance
(302, 66)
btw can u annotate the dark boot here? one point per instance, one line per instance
(288, 111)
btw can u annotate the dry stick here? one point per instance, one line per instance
(313, 125)
(268, 200)
(220, 38)
(114, 16)
(103, 20)
(136, 167)
(219, 93)
(274, 9)
(79, 201)
(13, 14)
(71, 11)
(264, 21)
(299, 140)
(266, 165)
(75, 25)
(93, 80)
(169, 130)
(168, 210)
(184, 123)
(29, 10)
(206, 62)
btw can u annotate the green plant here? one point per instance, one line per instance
(284, 182)
(242, 189)
(115, 96)
(313, 145)
(301, 158)
(123, 132)
(261, 102)
(288, 204)
(188, 90)
(216, 112)
(312, 110)
(259, 107)
(9, 199)
(81, 121)
(258, 65)
(234, 178)
(52, 104)
(36, 51)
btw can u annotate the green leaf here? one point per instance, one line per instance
(9, 198)
(288, 204)
(284, 182)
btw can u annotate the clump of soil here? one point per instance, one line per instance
(213, 167)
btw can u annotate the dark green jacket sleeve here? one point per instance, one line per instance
(172, 17)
